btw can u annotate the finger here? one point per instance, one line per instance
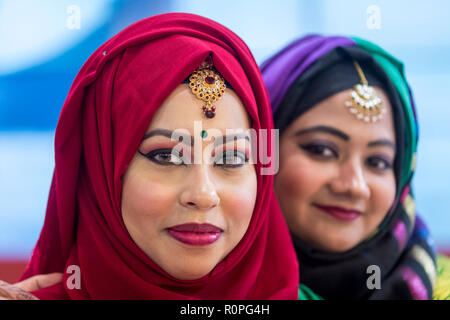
(40, 281)
(11, 292)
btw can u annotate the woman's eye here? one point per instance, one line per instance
(231, 159)
(378, 163)
(164, 157)
(319, 150)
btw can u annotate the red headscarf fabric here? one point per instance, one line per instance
(108, 109)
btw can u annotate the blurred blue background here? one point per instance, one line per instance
(43, 44)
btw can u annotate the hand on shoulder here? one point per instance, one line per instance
(21, 290)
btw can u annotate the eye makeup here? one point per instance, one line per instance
(231, 159)
(227, 156)
(320, 149)
(164, 156)
(231, 155)
(379, 163)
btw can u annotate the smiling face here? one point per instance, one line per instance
(336, 181)
(188, 217)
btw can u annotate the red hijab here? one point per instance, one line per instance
(107, 111)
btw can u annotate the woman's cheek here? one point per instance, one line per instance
(238, 201)
(146, 199)
(296, 178)
(156, 200)
(383, 196)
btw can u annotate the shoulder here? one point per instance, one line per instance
(442, 288)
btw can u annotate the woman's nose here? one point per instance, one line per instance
(351, 180)
(199, 191)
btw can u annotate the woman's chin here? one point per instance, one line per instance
(191, 273)
(327, 240)
(335, 244)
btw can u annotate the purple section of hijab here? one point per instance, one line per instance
(281, 70)
(414, 283)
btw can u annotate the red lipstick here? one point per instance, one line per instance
(195, 234)
(340, 213)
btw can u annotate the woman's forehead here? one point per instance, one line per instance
(182, 110)
(334, 113)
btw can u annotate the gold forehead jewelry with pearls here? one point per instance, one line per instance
(207, 85)
(364, 102)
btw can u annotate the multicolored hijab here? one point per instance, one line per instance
(401, 246)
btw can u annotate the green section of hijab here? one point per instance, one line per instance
(395, 71)
(305, 293)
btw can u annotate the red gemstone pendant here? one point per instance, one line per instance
(210, 114)
(207, 85)
(210, 80)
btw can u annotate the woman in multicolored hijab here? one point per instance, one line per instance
(348, 139)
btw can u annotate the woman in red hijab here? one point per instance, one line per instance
(128, 212)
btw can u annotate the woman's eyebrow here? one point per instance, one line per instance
(158, 132)
(235, 136)
(326, 129)
(168, 134)
(382, 142)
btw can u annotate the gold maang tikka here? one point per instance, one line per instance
(207, 85)
(364, 102)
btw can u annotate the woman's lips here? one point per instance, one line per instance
(339, 213)
(195, 234)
